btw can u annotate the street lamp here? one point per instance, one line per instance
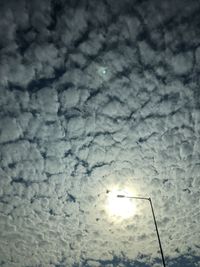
(154, 219)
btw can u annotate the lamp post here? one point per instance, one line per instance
(154, 219)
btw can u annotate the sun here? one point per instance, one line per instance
(120, 207)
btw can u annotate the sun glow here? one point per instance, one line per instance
(120, 207)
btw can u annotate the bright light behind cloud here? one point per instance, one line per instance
(120, 207)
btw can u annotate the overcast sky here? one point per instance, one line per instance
(97, 95)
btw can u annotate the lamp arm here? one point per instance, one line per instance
(123, 196)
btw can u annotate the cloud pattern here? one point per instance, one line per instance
(96, 94)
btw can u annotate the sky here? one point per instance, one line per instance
(97, 96)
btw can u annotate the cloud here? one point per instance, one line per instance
(96, 96)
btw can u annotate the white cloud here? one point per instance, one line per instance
(69, 98)
(75, 127)
(182, 63)
(10, 130)
(115, 109)
(45, 100)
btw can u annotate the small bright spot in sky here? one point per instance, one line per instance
(120, 207)
(102, 71)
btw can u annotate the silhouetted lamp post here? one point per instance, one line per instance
(154, 219)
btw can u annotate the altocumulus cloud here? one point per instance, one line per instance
(96, 94)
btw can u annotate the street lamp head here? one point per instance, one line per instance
(121, 196)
